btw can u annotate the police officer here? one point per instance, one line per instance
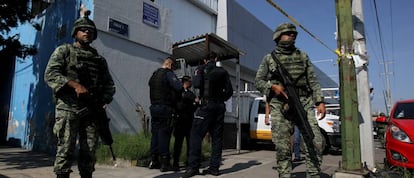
(80, 80)
(269, 83)
(182, 125)
(165, 89)
(215, 88)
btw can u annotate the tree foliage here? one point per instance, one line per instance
(12, 14)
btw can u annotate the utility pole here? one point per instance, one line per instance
(351, 150)
(387, 93)
(364, 101)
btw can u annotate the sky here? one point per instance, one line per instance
(389, 36)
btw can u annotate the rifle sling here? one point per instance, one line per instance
(281, 66)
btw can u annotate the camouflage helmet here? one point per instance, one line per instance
(282, 28)
(84, 22)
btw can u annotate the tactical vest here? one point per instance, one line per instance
(215, 83)
(160, 93)
(84, 66)
(297, 66)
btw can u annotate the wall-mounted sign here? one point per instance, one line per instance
(150, 15)
(118, 27)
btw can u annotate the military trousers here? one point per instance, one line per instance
(69, 127)
(161, 130)
(208, 118)
(282, 129)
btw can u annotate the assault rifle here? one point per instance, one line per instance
(98, 113)
(102, 123)
(295, 105)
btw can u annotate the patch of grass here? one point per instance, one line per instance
(126, 147)
(137, 147)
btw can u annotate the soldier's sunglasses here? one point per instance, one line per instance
(84, 29)
(289, 33)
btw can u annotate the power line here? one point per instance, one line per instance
(370, 38)
(392, 38)
(388, 90)
(300, 25)
(379, 31)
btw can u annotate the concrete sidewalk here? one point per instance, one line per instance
(18, 163)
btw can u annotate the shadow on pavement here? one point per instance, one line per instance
(303, 174)
(16, 158)
(236, 167)
(2, 176)
(240, 166)
(336, 151)
(169, 175)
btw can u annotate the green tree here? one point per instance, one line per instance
(12, 14)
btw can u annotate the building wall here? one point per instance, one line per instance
(250, 35)
(228, 20)
(31, 111)
(131, 58)
(130, 12)
(191, 18)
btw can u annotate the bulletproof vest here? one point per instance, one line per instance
(297, 67)
(214, 83)
(85, 67)
(160, 93)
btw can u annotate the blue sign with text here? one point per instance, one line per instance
(118, 27)
(150, 15)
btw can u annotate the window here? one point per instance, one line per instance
(262, 106)
(404, 110)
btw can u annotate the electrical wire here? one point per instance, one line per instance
(392, 39)
(379, 32)
(299, 25)
(388, 89)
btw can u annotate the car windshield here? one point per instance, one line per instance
(404, 111)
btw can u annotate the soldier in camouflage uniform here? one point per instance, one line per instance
(80, 80)
(269, 83)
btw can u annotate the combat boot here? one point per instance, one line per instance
(155, 162)
(175, 166)
(165, 164)
(86, 174)
(62, 175)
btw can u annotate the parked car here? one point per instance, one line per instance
(399, 135)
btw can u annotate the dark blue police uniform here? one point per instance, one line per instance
(164, 90)
(182, 126)
(215, 88)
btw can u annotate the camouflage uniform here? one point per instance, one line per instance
(73, 116)
(299, 66)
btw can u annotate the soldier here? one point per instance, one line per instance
(215, 88)
(80, 80)
(164, 92)
(300, 68)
